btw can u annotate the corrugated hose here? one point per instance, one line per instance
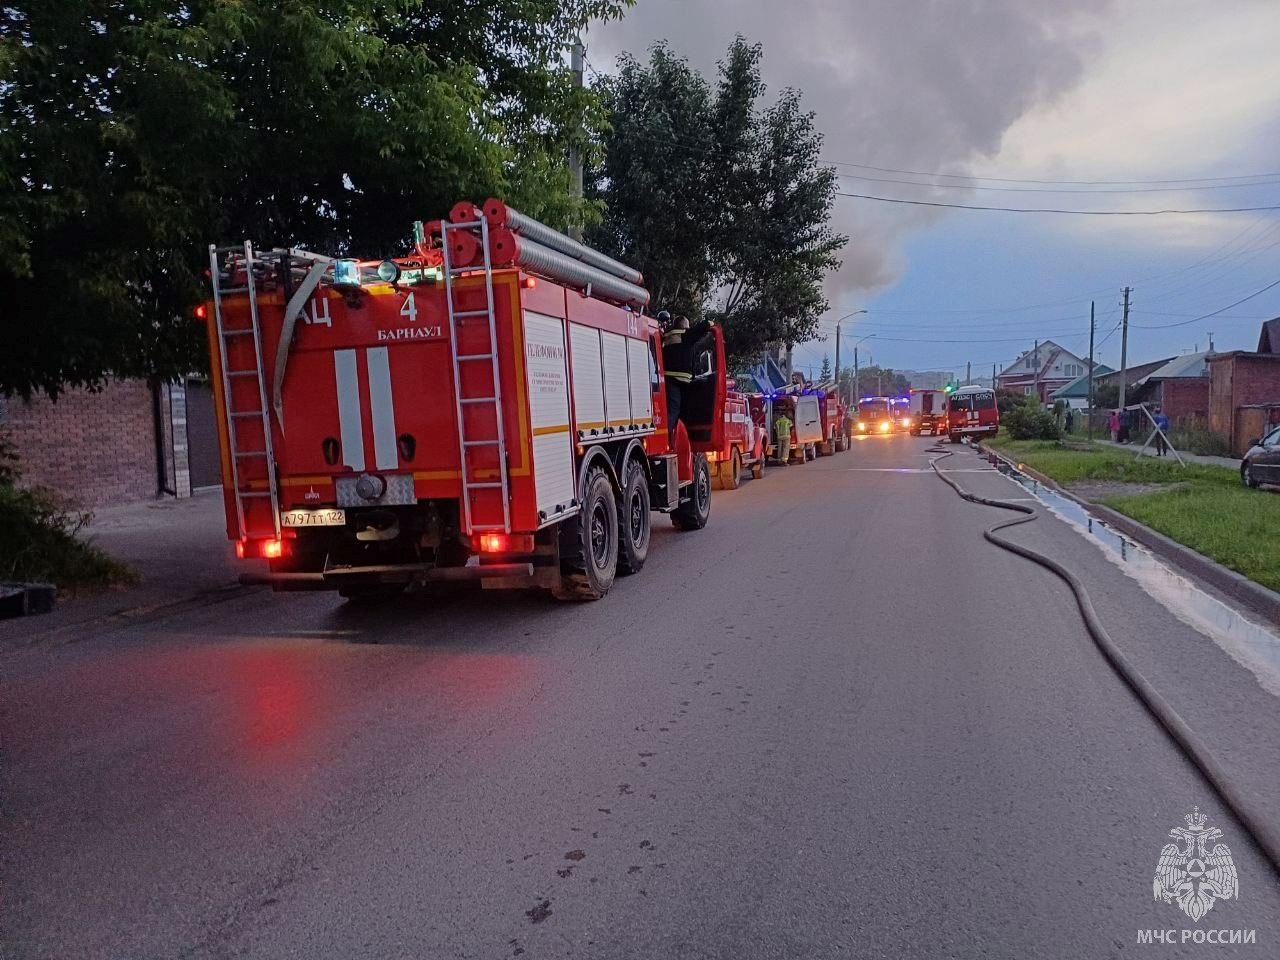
(1264, 834)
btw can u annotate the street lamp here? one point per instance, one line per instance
(857, 391)
(838, 322)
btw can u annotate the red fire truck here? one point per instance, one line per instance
(928, 412)
(746, 443)
(834, 414)
(488, 407)
(972, 412)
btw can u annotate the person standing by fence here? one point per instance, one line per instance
(1162, 428)
(1113, 423)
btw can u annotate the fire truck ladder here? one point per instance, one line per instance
(471, 483)
(239, 456)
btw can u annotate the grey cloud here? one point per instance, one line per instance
(919, 85)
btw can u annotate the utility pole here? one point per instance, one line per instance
(993, 377)
(837, 359)
(575, 155)
(1035, 362)
(857, 387)
(1124, 347)
(1211, 341)
(1089, 414)
(968, 373)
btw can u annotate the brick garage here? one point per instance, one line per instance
(1185, 399)
(100, 448)
(1236, 380)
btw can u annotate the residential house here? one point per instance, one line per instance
(1042, 370)
(1180, 387)
(1130, 375)
(1076, 393)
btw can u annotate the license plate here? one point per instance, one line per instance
(313, 518)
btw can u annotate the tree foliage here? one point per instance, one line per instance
(873, 381)
(723, 203)
(135, 132)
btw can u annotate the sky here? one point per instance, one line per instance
(1103, 104)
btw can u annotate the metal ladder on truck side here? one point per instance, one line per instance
(471, 483)
(230, 341)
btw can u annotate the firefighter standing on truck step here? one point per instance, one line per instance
(681, 344)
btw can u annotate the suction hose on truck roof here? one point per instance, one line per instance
(1263, 833)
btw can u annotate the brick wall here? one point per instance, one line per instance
(94, 448)
(1185, 399)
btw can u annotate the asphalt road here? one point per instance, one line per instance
(835, 723)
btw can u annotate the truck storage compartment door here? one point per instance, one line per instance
(644, 374)
(617, 382)
(588, 380)
(548, 384)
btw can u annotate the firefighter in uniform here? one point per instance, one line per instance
(681, 344)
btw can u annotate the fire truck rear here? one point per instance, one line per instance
(488, 407)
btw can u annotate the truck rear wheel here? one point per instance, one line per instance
(633, 520)
(694, 512)
(589, 543)
(729, 472)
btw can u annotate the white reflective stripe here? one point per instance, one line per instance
(351, 432)
(383, 409)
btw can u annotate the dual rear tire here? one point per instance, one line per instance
(609, 537)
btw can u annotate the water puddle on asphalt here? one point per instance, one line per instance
(1250, 644)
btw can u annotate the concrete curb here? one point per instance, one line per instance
(1253, 596)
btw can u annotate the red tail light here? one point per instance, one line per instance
(201, 312)
(266, 549)
(505, 543)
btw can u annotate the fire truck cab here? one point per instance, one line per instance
(874, 416)
(488, 407)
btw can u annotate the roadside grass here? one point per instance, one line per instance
(1204, 507)
(1238, 528)
(39, 541)
(1068, 465)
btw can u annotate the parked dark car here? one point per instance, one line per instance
(1261, 462)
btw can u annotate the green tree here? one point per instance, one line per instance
(874, 381)
(134, 132)
(652, 176)
(825, 373)
(722, 205)
(778, 246)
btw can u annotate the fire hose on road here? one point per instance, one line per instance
(1264, 834)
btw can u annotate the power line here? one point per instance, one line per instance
(1084, 183)
(1089, 213)
(1206, 316)
(1123, 190)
